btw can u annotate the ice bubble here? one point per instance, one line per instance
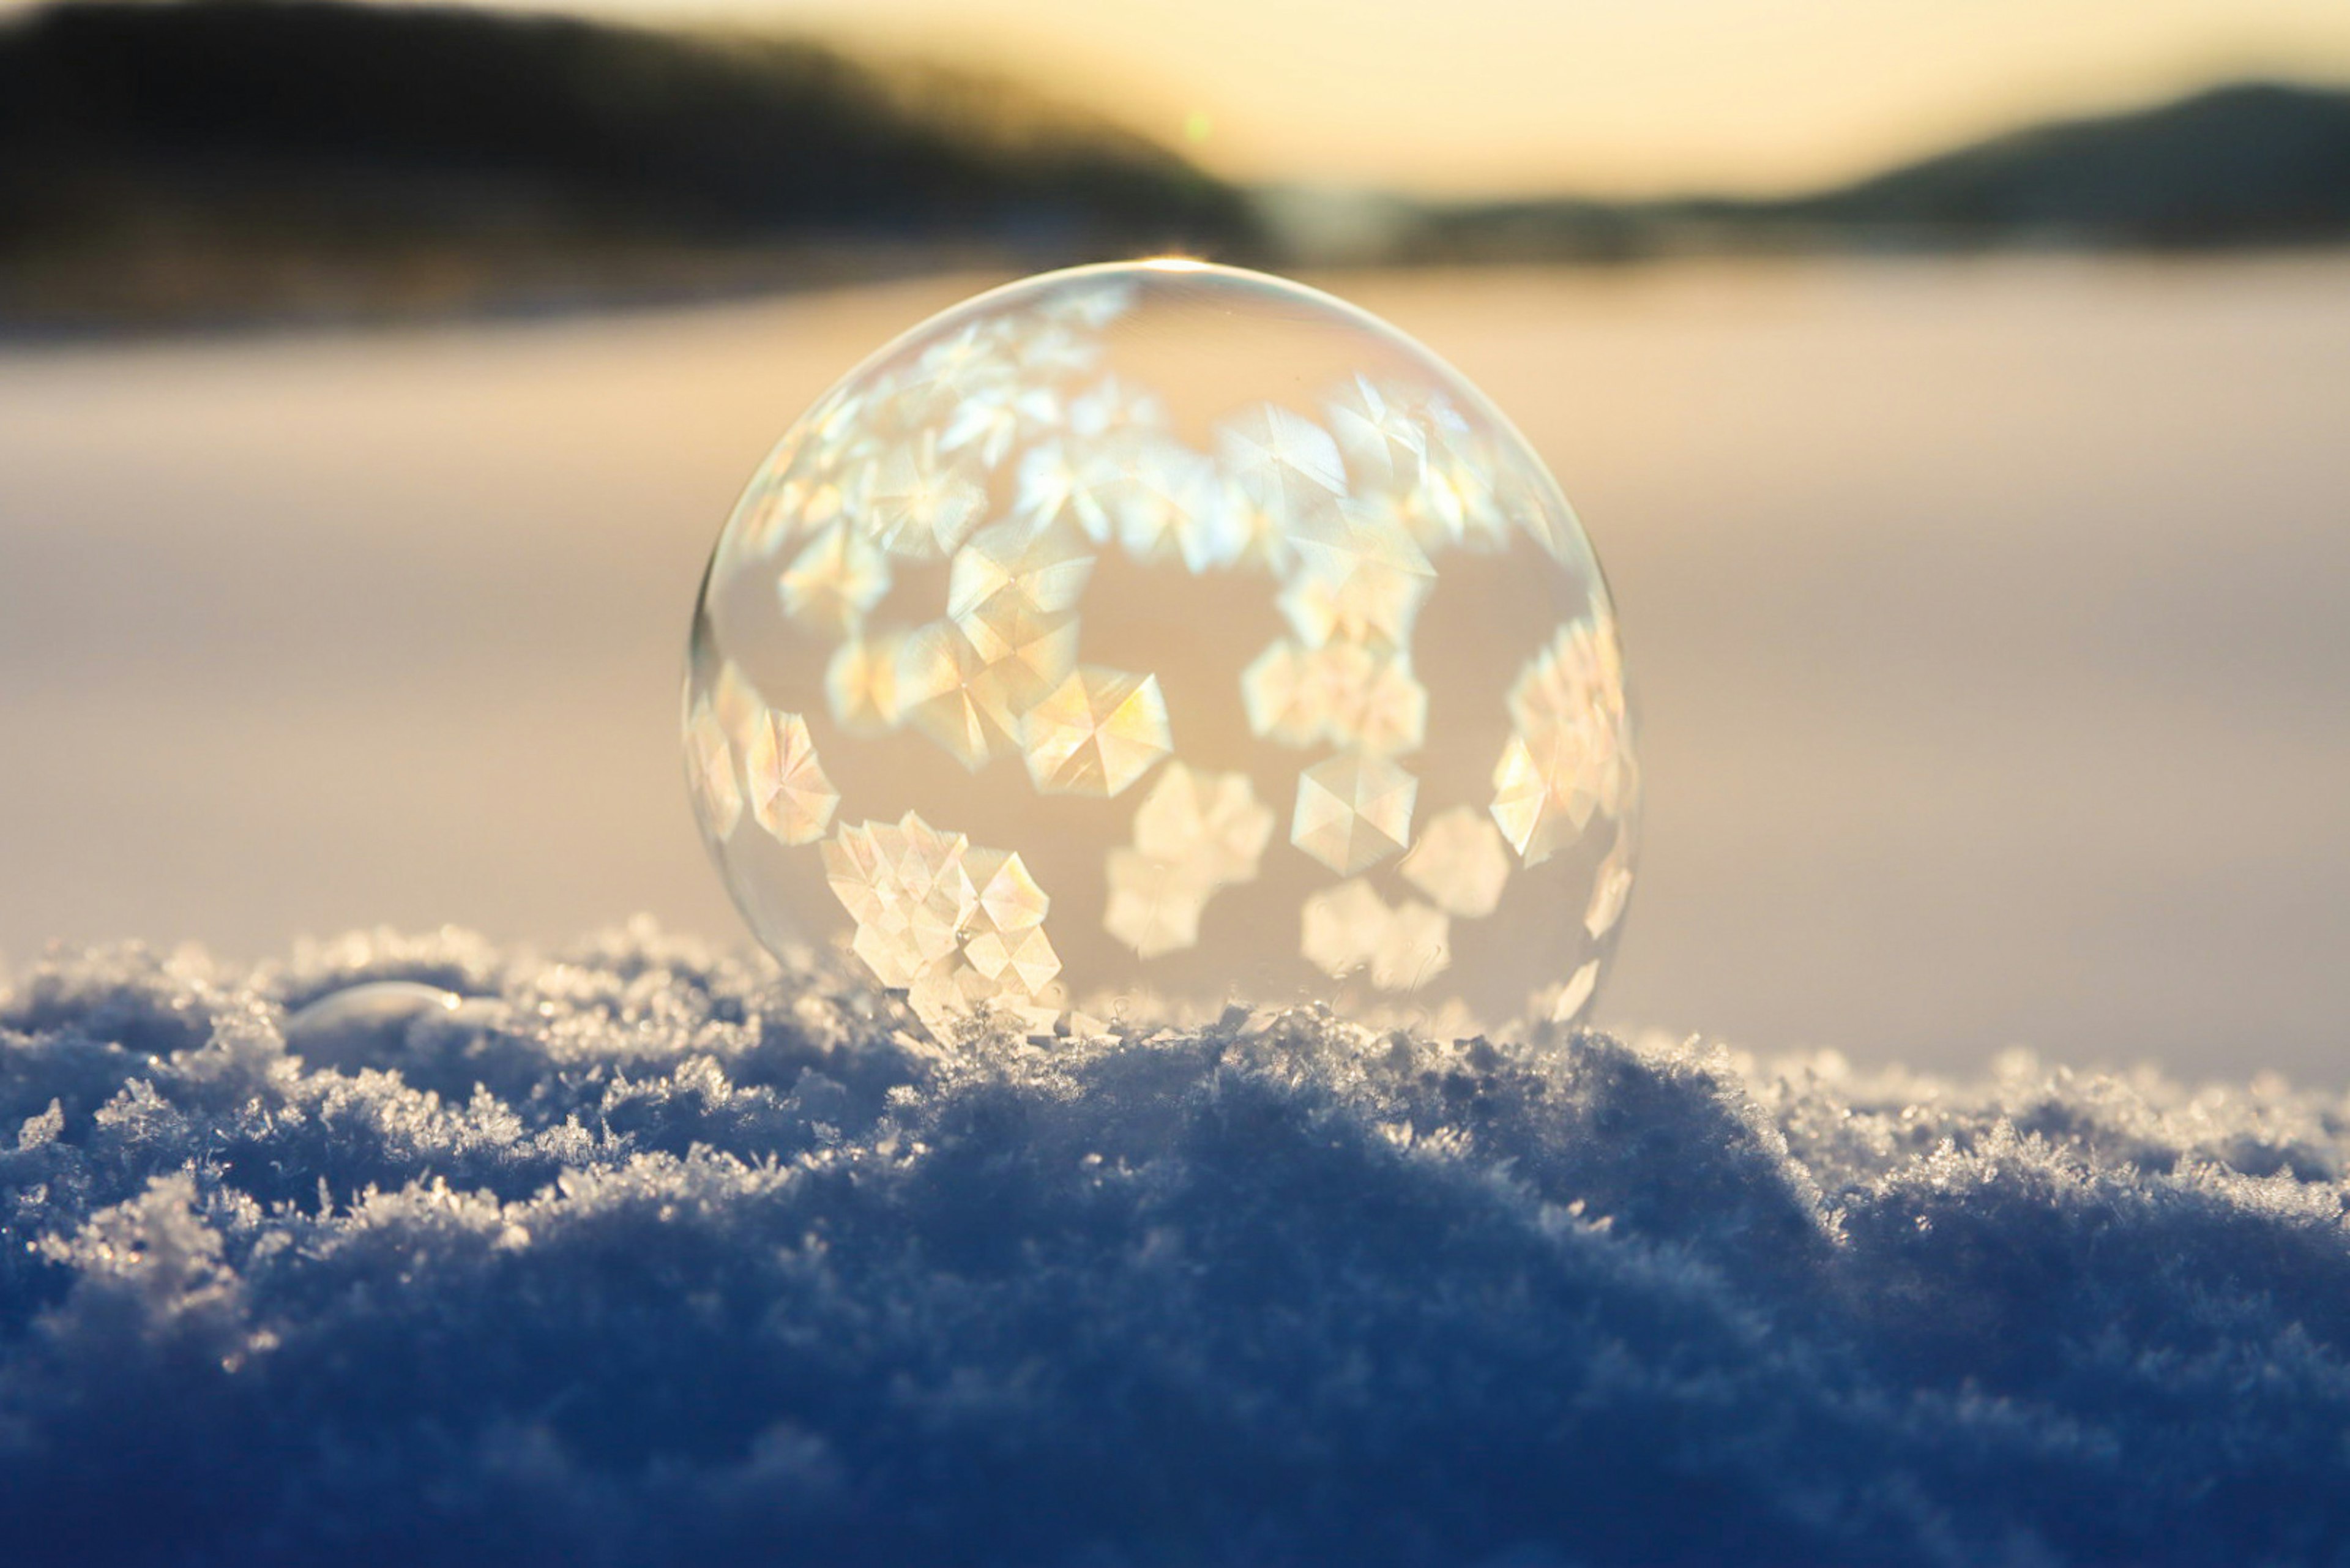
(1166, 632)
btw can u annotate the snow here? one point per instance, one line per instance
(641, 1252)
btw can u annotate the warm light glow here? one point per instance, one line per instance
(1507, 96)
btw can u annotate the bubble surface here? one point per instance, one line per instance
(1159, 636)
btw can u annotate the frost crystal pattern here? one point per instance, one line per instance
(1350, 927)
(1194, 834)
(1096, 582)
(1352, 812)
(1098, 732)
(789, 794)
(1460, 864)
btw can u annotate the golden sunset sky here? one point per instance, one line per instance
(1609, 97)
(1615, 97)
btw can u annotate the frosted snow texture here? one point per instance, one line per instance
(641, 1255)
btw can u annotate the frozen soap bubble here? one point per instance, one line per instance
(1158, 636)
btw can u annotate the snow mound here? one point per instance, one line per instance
(644, 1254)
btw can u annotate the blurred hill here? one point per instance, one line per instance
(227, 157)
(220, 159)
(2254, 164)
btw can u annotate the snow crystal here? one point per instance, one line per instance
(639, 1254)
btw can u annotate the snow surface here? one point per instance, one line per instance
(647, 1254)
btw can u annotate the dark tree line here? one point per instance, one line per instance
(275, 112)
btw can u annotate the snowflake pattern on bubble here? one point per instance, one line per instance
(1164, 630)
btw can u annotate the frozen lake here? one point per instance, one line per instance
(1990, 620)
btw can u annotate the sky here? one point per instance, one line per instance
(1614, 97)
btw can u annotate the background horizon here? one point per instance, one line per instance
(1709, 98)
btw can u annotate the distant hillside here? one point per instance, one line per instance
(2242, 164)
(215, 154)
(2257, 164)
